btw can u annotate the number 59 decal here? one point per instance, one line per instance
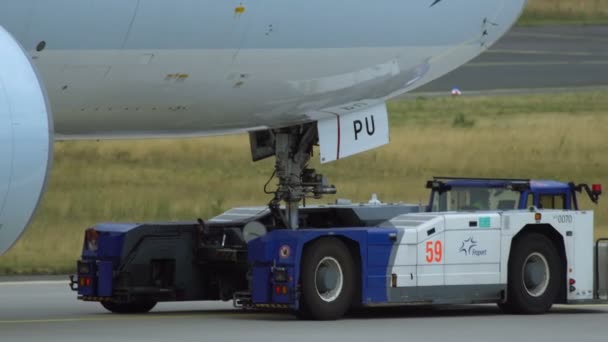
(434, 251)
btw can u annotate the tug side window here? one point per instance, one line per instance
(552, 202)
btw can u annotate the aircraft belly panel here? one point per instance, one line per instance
(182, 91)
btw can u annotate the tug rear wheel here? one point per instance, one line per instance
(136, 306)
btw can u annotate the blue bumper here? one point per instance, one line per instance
(95, 269)
(275, 261)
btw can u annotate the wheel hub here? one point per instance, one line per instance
(536, 274)
(329, 279)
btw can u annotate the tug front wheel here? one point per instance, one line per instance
(328, 279)
(534, 275)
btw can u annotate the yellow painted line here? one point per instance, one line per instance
(586, 306)
(117, 317)
(35, 282)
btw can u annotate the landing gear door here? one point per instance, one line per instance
(350, 130)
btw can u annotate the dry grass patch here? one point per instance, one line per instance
(566, 11)
(542, 136)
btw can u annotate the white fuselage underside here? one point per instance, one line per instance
(133, 68)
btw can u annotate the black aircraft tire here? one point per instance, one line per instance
(534, 276)
(139, 306)
(328, 280)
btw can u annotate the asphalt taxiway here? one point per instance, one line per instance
(536, 58)
(49, 311)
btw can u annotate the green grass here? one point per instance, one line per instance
(572, 12)
(556, 136)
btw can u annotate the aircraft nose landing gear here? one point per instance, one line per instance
(293, 148)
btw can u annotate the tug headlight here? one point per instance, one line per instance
(84, 268)
(280, 276)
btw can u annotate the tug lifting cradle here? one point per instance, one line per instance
(293, 150)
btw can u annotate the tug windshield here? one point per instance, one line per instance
(475, 198)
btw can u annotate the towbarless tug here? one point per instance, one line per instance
(523, 244)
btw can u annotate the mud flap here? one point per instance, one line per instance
(601, 269)
(353, 132)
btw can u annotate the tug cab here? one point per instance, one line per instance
(482, 194)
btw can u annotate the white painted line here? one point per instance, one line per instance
(547, 52)
(559, 36)
(514, 91)
(541, 63)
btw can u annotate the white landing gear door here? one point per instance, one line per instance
(352, 131)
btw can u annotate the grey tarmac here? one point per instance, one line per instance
(529, 59)
(49, 311)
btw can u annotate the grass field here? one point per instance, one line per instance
(553, 136)
(540, 12)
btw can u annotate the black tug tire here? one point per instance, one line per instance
(324, 296)
(138, 306)
(535, 275)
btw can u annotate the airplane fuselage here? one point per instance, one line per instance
(148, 68)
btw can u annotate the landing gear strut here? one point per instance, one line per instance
(293, 148)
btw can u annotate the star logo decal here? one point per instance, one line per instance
(467, 246)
